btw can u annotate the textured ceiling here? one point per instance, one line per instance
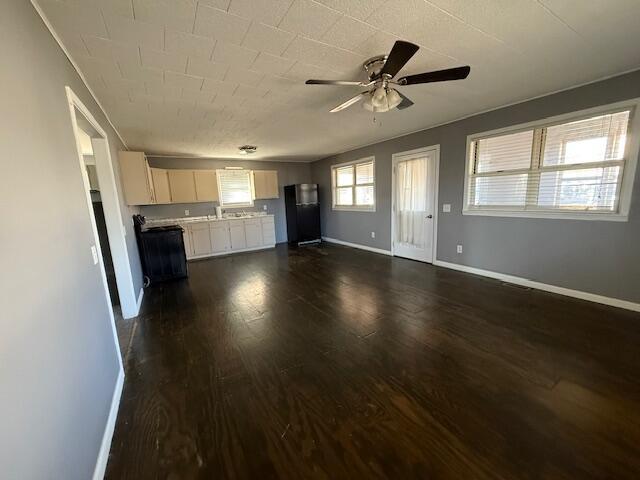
(204, 77)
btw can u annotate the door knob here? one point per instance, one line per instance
(429, 216)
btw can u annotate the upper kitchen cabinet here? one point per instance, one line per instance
(206, 185)
(182, 186)
(160, 178)
(265, 184)
(137, 179)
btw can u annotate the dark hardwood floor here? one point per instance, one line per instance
(330, 363)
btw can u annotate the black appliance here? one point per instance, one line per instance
(161, 251)
(303, 213)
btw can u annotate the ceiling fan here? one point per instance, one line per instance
(381, 69)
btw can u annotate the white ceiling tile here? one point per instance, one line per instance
(97, 66)
(198, 96)
(110, 50)
(173, 14)
(309, 18)
(84, 19)
(243, 76)
(164, 92)
(205, 68)
(270, 12)
(220, 25)
(232, 54)
(163, 61)
(348, 33)
(122, 8)
(135, 33)
(180, 80)
(267, 63)
(134, 71)
(267, 39)
(181, 43)
(359, 9)
(302, 71)
(73, 42)
(250, 92)
(219, 87)
(322, 55)
(219, 4)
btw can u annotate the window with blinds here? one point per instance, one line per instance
(354, 185)
(572, 167)
(235, 188)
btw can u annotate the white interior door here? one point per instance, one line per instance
(414, 208)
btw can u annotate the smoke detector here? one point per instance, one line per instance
(247, 149)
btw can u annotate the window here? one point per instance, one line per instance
(354, 185)
(569, 169)
(235, 188)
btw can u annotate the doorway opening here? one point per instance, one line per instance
(110, 248)
(415, 204)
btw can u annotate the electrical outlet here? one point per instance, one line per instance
(264, 207)
(446, 207)
(373, 234)
(459, 248)
(186, 213)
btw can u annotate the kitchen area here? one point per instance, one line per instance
(204, 207)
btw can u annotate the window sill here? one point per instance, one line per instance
(565, 215)
(353, 209)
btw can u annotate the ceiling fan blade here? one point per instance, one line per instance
(400, 54)
(334, 82)
(349, 102)
(458, 73)
(406, 103)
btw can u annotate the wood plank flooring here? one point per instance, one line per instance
(333, 363)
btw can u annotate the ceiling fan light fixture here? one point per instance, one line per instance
(247, 149)
(393, 98)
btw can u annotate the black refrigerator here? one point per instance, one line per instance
(303, 213)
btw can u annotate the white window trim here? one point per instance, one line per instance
(252, 187)
(628, 175)
(353, 208)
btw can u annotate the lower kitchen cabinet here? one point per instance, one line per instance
(200, 239)
(238, 235)
(220, 241)
(219, 237)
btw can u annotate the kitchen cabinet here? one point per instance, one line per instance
(268, 231)
(206, 185)
(265, 184)
(137, 180)
(220, 239)
(212, 237)
(182, 186)
(237, 234)
(200, 239)
(253, 232)
(160, 178)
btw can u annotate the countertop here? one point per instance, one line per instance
(157, 222)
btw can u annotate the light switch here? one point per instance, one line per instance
(94, 252)
(446, 207)
(186, 213)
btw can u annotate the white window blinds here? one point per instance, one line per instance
(572, 166)
(354, 185)
(235, 188)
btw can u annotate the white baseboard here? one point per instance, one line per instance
(357, 245)
(105, 447)
(592, 297)
(231, 252)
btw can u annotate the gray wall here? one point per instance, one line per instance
(288, 173)
(58, 359)
(592, 256)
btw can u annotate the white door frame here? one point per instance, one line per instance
(111, 206)
(397, 157)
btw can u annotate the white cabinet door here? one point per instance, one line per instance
(220, 241)
(200, 239)
(186, 236)
(253, 232)
(237, 234)
(268, 231)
